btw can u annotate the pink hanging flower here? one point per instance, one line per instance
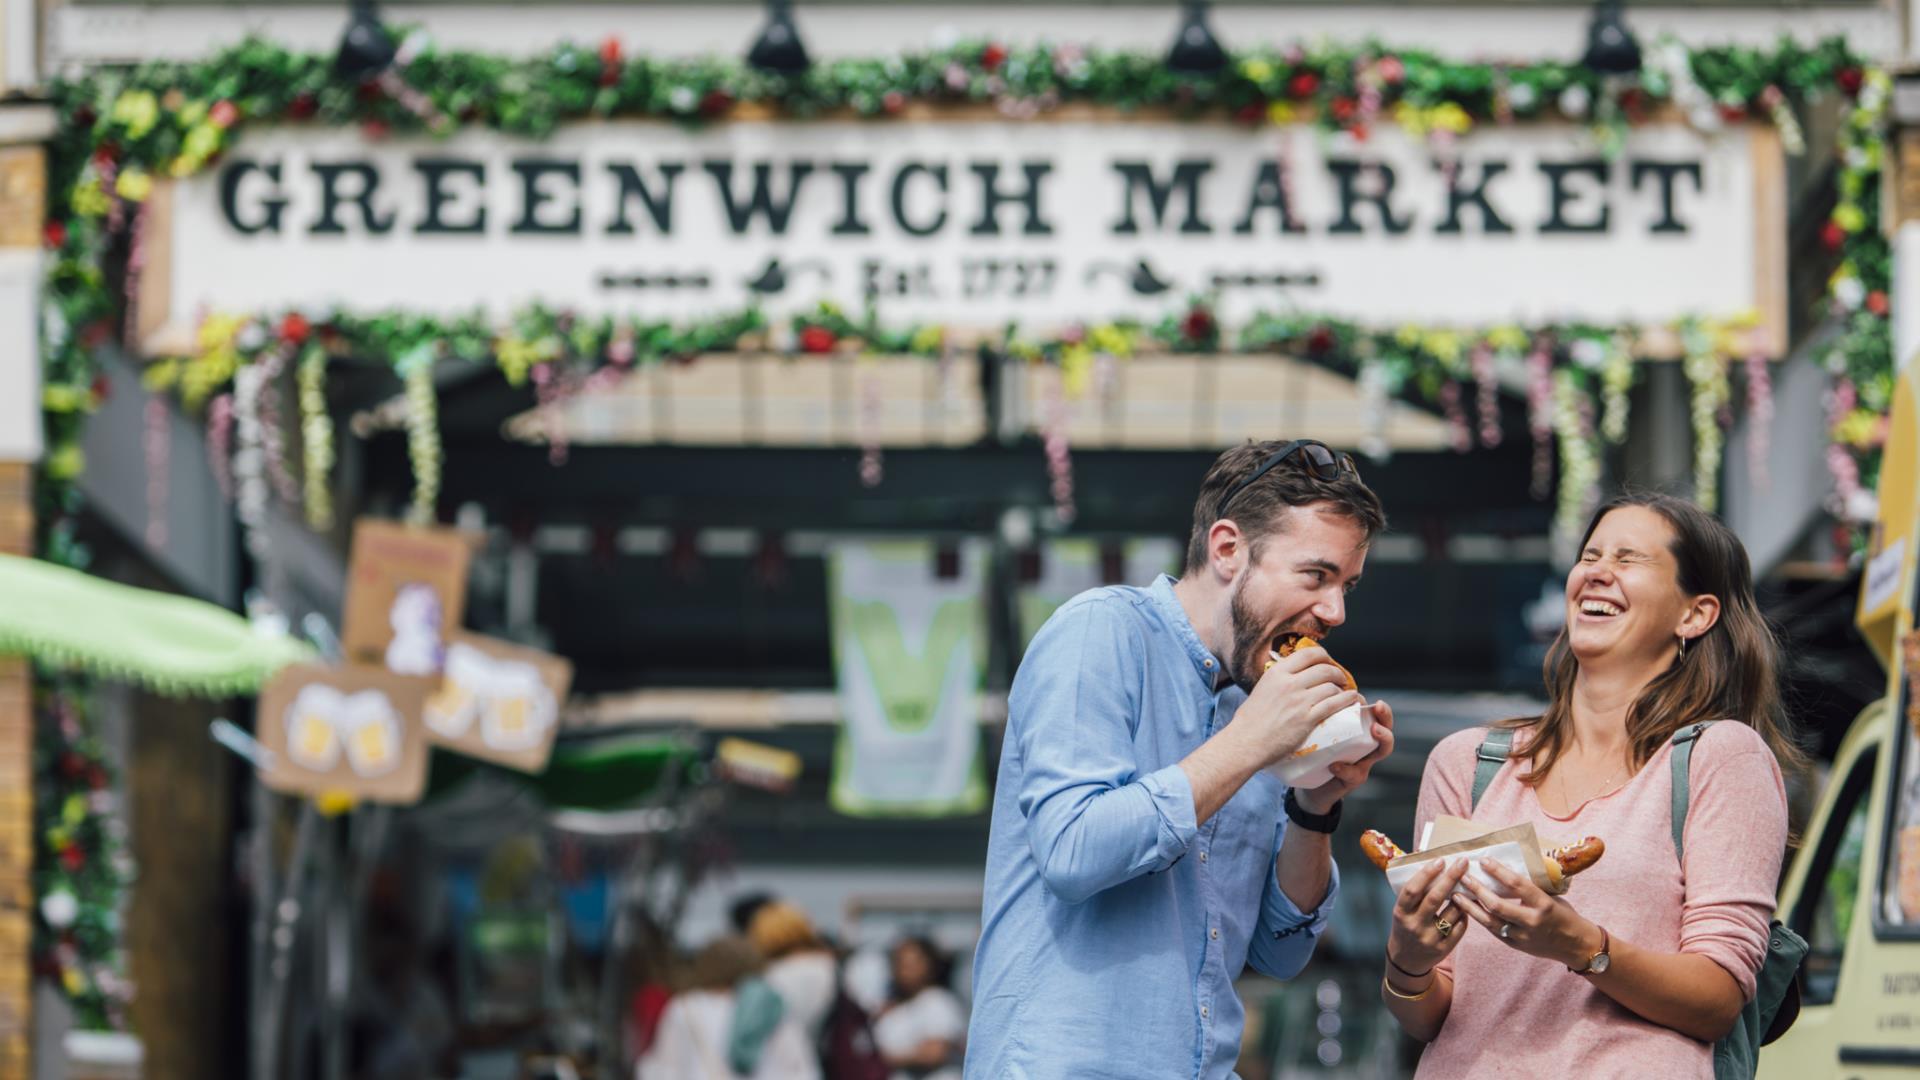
(220, 443)
(1760, 409)
(159, 454)
(1457, 427)
(1486, 384)
(1540, 413)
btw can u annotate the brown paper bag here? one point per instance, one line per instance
(354, 730)
(1452, 836)
(498, 701)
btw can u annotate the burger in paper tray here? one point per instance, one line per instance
(1340, 739)
(1515, 846)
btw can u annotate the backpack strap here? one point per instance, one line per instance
(1489, 757)
(1682, 753)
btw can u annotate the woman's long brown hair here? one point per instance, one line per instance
(1731, 672)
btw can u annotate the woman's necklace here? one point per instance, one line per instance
(1607, 787)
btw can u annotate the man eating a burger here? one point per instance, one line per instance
(1141, 855)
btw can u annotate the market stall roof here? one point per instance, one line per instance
(169, 644)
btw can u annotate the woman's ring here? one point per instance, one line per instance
(1445, 927)
(1506, 931)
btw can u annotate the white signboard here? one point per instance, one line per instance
(979, 223)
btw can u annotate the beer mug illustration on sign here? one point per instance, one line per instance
(371, 731)
(519, 708)
(313, 730)
(451, 709)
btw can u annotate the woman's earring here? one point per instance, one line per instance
(1683, 647)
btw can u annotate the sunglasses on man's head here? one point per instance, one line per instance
(1321, 461)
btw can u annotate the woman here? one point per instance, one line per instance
(1650, 957)
(921, 1027)
(714, 1030)
(800, 966)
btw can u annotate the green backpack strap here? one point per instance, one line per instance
(1682, 756)
(1489, 757)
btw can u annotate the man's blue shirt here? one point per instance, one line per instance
(1112, 927)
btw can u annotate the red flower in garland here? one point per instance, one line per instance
(1392, 70)
(1199, 325)
(96, 333)
(303, 106)
(1251, 113)
(1832, 235)
(96, 777)
(106, 155)
(224, 113)
(817, 339)
(993, 56)
(1303, 85)
(72, 765)
(55, 235)
(73, 858)
(1851, 79)
(370, 92)
(1877, 302)
(892, 102)
(1320, 342)
(610, 61)
(295, 328)
(715, 103)
(1344, 108)
(84, 116)
(375, 130)
(1633, 101)
(1732, 113)
(101, 389)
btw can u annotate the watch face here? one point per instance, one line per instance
(1600, 964)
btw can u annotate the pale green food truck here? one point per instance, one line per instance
(1853, 889)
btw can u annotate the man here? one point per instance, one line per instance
(1139, 857)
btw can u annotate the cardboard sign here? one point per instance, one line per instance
(406, 593)
(352, 730)
(498, 701)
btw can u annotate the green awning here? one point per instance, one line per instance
(170, 644)
(583, 774)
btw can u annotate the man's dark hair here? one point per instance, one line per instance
(1261, 508)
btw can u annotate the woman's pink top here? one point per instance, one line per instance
(1515, 1015)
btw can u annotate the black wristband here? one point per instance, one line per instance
(1320, 823)
(1404, 971)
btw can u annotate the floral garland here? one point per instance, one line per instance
(1860, 359)
(81, 866)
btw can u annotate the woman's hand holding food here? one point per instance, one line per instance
(1427, 925)
(1530, 920)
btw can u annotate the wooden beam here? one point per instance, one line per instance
(16, 804)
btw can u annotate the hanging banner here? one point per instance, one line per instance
(978, 223)
(909, 643)
(406, 592)
(352, 730)
(1070, 567)
(498, 701)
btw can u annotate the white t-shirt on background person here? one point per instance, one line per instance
(933, 1013)
(691, 1044)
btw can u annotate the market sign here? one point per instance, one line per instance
(979, 223)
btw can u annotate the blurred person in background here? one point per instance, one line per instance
(801, 968)
(1653, 954)
(921, 1028)
(728, 1024)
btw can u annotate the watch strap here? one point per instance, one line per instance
(1320, 823)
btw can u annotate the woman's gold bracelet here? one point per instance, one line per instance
(1391, 989)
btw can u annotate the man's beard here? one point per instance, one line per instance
(1251, 643)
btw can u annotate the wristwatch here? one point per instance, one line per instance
(1320, 823)
(1598, 963)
